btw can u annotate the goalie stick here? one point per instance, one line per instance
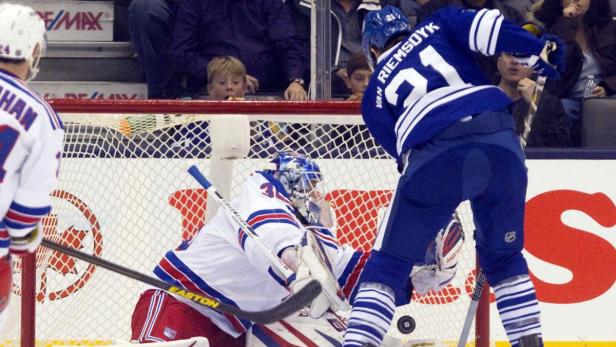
(292, 304)
(528, 122)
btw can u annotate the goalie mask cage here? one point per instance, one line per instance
(125, 195)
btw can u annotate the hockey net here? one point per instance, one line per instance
(124, 195)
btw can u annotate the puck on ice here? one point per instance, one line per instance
(406, 324)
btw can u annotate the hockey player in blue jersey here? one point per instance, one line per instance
(453, 138)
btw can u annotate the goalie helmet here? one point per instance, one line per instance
(300, 177)
(380, 26)
(21, 31)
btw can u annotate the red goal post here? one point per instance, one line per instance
(124, 195)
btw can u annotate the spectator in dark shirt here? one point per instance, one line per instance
(550, 127)
(260, 33)
(150, 23)
(346, 32)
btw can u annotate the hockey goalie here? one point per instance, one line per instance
(285, 208)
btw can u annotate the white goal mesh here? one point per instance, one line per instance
(125, 195)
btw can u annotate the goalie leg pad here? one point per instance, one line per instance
(389, 271)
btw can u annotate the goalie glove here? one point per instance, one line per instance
(441, 260)
(311, 265)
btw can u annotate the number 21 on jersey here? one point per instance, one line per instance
(429, 57)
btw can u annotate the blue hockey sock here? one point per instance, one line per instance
(373, 310)
(518, 308)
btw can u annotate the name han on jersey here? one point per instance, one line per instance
(396, 57)
(17, 107)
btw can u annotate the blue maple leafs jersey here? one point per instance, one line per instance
(431, 78)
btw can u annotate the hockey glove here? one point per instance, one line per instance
(312, 266)
(551, 61)
(441, 259)
(27, 243)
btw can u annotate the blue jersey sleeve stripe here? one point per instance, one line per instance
(267, 221)
(34, 211)
(17, 225)
(269, 211)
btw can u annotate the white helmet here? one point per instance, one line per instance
(21, 30)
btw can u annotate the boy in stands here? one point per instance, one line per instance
(226, 78)
(359, 75)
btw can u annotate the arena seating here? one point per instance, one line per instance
(599, 123)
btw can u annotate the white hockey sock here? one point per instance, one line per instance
(518, 308)
(373, 310)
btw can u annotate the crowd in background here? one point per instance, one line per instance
(177, 42)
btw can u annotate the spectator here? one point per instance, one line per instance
(226, 78)
(509, 12)
(590, 33)
(359, 75)
(150, 23)
(550, 127)
(260, 33)
(347, 20)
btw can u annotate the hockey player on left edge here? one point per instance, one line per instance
(30, 141)
(223, 262)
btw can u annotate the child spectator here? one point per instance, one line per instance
(359, 75)
(226, 78)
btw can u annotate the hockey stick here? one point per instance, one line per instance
(534, 102)
(472, 308)
(288, 274)
(292, 304)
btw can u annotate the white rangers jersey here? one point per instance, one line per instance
(30, 150)
(221, 261)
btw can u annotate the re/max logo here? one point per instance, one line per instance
(72, 20)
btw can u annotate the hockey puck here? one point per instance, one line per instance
(406, 324)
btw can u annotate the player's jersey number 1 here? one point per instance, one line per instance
(429, 57)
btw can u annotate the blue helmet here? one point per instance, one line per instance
(299, 176)
(380, 26)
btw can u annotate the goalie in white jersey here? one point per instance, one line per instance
(222, 261)
(30, 141)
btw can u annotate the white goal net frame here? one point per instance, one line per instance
(124, 195)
